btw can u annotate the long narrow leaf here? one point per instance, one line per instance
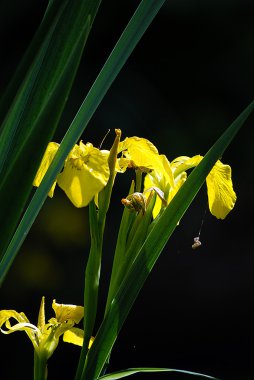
(23, 67)
(13, 120)
(36, 111)
(133, 371)
(137, 26)
(150, 252)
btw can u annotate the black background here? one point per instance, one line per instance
(186, 81)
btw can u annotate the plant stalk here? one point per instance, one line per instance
(40, 367)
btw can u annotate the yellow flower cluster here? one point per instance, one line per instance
(45, 336)
(86, 173)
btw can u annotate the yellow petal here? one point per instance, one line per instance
(180, 181)
(182, 163)
(81, 185)
(162, 178)
(163, 173)
(22, 325)
(85, 174)
(68, 312)
(149, 182)
(76, 336)
(139, 151)
(5, 315)
(45, 163)
(41, 316)
(57, 328)
(221, 196)
(122, 164)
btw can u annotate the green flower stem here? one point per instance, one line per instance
(97, 221)
(105, 195)
(126, 223)
(134, 240)
(40, 368)
(92, 278)
(138, 183)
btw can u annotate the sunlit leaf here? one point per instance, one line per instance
(133, 371)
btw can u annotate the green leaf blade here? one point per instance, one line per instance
(133, 371)
(39, 103)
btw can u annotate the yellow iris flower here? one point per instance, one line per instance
(221, 196)
(169, 177)
(45, 336)
(85, 172)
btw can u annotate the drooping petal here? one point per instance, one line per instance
(85, 174)
(67, 312)
(221, 196)
(45, 163)
(5, 315)
(80, 185)
(22, 325)
(76, 336)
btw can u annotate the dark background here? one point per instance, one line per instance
(186, 81)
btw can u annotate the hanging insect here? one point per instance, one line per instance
(197, 243)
